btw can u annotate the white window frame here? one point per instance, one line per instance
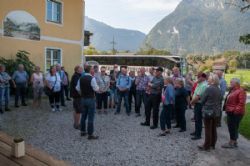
(62, 11)
(51, 59)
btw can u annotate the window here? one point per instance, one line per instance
(53, 57)
(54, 11)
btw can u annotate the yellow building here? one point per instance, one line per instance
(52, 31)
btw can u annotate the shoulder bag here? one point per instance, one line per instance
(49, 91)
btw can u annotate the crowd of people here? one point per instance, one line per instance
(98, 90)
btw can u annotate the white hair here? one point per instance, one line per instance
(215, 79)
(236, 80)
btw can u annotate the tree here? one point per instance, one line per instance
(90, 51)
(243, 8)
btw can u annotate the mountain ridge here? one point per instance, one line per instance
(125, 39)
(195, 27)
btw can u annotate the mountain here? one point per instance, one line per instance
(201, 26)
(103, 36)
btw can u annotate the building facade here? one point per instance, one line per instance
(52, 31)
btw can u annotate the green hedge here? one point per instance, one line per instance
(245, 123)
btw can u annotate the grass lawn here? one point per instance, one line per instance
(245, 123)
(244, 75)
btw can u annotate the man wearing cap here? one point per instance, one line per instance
(154, 100)
(199, 91)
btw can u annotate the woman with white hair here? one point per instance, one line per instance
(211, 111)
(235, 108)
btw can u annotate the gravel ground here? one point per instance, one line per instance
(122, 140)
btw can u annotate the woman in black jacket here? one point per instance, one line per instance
(211, 111)
(76, 96)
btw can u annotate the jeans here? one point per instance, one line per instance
(88, 111)
(153, 103)
(120, 96)
(4, 96)
(132, 93)
(233, 122)
(54, 99)
(198, 119)
(165, 117)
(102, 98)
(62, 95)
(20, 92)
(66, 91)
(180, 117)
(210, 132)
(140, 97)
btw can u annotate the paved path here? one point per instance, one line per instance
(122, 140)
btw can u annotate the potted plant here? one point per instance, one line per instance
(18, 147)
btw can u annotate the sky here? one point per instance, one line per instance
(140, 15)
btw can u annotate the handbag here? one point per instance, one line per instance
(49, 91)
(208, 113)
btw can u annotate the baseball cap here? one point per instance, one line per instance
(159, 69)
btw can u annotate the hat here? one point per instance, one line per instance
(159, 69)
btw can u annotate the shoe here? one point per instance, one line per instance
(229, 146)
(128, 113)
(195, 138)
(138, 115)
(7, 109)
(63, 105)
(83, 134)
(53, 109)
(105, 112)
(68, 99)
(99, 112)
(16, 106)
(92, 137)
(116, 113)
(162, 134)
(192, 134)
(77, 127)
(24, 104)
(202, 148)
(177, 126)
(1, 111)
(59, 109)
(212, 147)
(181, 130)
(145, 124)
(153, 127)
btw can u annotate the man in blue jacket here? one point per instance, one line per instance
(123, 85)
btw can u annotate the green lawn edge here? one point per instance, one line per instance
(245, 123)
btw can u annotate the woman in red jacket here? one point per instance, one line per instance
(235, 109)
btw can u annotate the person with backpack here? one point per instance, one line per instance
(123, 85)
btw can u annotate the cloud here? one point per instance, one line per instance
(130, 14)
(151, 5)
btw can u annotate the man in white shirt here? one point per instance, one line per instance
(87, 87)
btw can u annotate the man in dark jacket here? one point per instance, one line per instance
(154, 99)
(76, 96)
